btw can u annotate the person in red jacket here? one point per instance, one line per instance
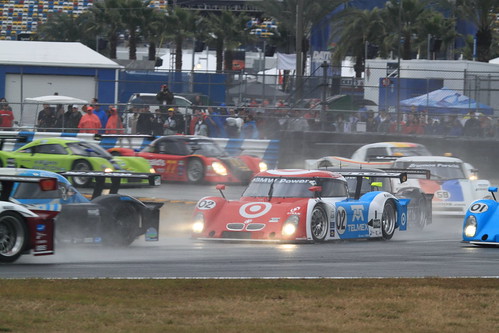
(6, 115)
(114, 124)
(89, 122)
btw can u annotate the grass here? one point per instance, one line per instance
(233, 305)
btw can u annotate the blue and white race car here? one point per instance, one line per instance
(113, 219)
(480, 222)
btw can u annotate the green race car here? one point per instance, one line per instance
(65, 154)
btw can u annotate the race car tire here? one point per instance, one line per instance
(319, 224)
(126, 223)
(419, 216)
(81, 165)
(388, 220)
(13, 236)
(195, 171)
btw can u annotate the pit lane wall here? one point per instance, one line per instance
(268, 150)
(296, 147)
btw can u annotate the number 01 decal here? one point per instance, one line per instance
(479, 208)
(206, 204)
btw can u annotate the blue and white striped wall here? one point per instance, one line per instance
(268, 150)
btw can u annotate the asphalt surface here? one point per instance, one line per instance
(434, 252)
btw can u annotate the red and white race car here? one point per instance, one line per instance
(196, 159)
(301, 205)
(22, 230)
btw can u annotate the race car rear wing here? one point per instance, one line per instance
(115, 177)
(361, 175)
(7, 182)
(16, 137)
(123, 140)
(409, 172)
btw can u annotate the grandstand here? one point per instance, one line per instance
(18, 17)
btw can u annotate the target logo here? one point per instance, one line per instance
(254, 209)
(403, 219)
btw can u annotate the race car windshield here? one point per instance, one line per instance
(67, 193)
(88, 149)
(206, 148)
(282, 187)
(410, 151)
(438, 170)
(366, 184)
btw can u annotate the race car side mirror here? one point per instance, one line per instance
(377, 184)
(221, 188)
(315, 189)
(492, 190)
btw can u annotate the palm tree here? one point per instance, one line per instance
(107, 21)
(225, 31)
(63, 27)
(132, 13)
(182, 24)
(482, 14)
(154, 30)
(356, 28)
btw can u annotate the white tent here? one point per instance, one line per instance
(55, 99)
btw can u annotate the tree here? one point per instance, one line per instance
(132, 13)
(225, 31)
(182, 24)
(107, 21)
(357, 29)
(483, 14)
(63, 27)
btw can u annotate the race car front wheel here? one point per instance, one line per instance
(195, 171)
(319, 224)
(82, 165)
(388, 220)
(419, 213)
(13, 236)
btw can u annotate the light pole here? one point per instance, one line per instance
(398, 65)
(299, 54)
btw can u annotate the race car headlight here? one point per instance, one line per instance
(151, 170)
(290, 225)
(219, 168)
(198, 225)
(263, 166)
(108, 169)
(473, 176)
(470, 226)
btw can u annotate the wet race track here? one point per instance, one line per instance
(435, 251)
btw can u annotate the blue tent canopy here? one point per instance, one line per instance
(444, 101)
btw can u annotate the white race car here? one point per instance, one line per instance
(454, 183)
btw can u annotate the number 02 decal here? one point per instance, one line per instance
(341, 220)
(206, 204)
(479, 208)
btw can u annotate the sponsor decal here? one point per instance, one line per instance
(206, 204)
(442, 195)
(403, 219)
(274, 219)
(358, 213)
(341, 220)
(254, 209)
(40, 227)
(157, 162)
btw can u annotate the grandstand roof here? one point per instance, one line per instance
(59, 54)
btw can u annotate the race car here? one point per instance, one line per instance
(112, 219)
(453, 183)
(65, 154)
(378, 155)
(195, 159)
(296, 205)
(480, 222)
(419, 209)
(24, 231)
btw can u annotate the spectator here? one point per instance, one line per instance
(384, 122)
(170, 123)
(99, 112)
(200, 128)
(249, 129)
(89, 122)
(114, 124)
(455, 126)
(297, 122)
(46, 118)
(165, 97)
(472, 125)
(371, 123)
(413, 125)
(6, 115)
(72, 119)
(60, 121)
(194, 120)
(486, 128)
(132, 119)
(158, 122)
(233, 124)
(198, 103)
(216, 123)
(145, 121)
